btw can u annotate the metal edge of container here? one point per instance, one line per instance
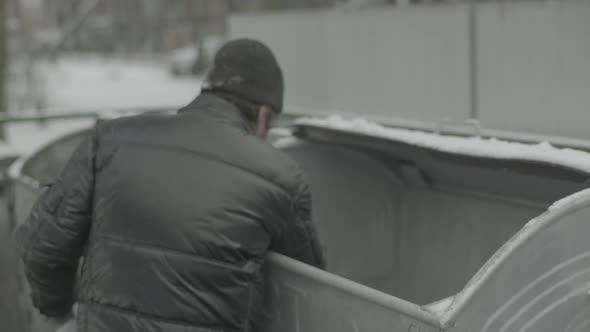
(14, 172)
(326, 134)
(328, 279)
(548, 218)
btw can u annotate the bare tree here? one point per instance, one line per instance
(3, 55)
(3, 60)
(74, 24)
(10, 315)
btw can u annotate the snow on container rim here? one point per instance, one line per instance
(469, 146)
(441, 306)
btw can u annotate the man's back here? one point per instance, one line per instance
(183, 208)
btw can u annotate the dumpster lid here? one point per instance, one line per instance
(474, 146)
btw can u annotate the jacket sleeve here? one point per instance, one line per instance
(298, 238)
(52, 239)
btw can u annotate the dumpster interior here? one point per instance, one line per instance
(411, 222)
(419, 223)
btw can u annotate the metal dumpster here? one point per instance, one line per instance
(431, 233)
(422, 232)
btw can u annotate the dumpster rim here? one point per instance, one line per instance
(551, 217)
(303, 126)
(367, 293)
(14, 172)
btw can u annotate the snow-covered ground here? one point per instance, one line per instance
(96, 84)
(92, 84)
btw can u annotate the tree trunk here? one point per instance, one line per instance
(11, 311)
(3, 61)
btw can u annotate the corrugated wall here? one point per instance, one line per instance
(535, 67)
(406, 63)
(533, 62)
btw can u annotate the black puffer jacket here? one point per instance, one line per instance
(174, 216)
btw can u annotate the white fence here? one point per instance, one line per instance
(532, 70)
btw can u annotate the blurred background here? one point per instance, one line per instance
(498, 61)
(516, 66)
(54, 42)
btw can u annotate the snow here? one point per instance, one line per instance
(95, 85)
(90, 83)
(281, 131)
(284, 142)
(470, 146)
(439, 307)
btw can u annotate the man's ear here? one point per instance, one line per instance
(263, 118)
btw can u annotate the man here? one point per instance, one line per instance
(174, 214)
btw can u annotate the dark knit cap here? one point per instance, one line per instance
(247, 69)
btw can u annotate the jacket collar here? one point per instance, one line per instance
(215, 108)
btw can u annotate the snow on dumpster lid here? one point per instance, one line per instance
(468, 146)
